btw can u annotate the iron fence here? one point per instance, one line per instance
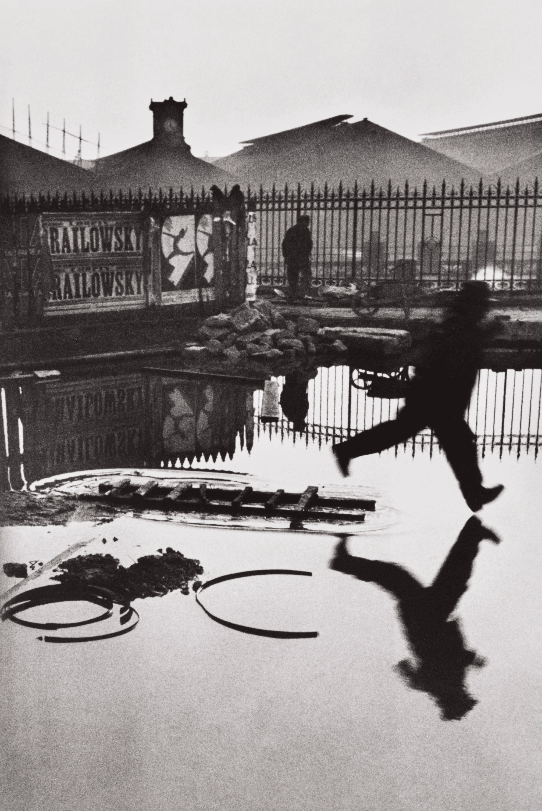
(433, 237)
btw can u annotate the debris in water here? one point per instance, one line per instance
(15, 570)
(150, 576)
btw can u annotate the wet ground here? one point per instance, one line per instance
(185, 712)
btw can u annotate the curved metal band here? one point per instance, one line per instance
(46, 595)
(248, 629)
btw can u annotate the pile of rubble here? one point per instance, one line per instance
(257, 331)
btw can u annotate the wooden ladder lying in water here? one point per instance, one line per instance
(221, 500)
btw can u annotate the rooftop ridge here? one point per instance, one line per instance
(482, 127)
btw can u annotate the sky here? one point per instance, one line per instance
(248, 68)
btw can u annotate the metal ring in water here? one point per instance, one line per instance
(247, 629)
(47, 595)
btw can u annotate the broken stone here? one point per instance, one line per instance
(208, 333)
(230, 340)
(291, 343)
(215, 347)
(283, 333)
(291, 327)
(266, 340)
(244, 340)
(264, 307)
(232, 354)
(309, 326)
(254, 349)
(222, 320)
(271, 354)
(278, 320)
(338, 346)
(267, 354)
(248, 320)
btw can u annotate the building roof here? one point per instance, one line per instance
(25, 170)
(526, 171)
(152, 165)
(163, 162)
(492, 147)
(333, 151)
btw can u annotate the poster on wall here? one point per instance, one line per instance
(187, 259)
(97, 262)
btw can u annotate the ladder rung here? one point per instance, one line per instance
(272, 502)
(240, 497)
(306, 500)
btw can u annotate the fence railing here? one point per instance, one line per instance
(434, 237)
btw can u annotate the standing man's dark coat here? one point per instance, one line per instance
(296, 249)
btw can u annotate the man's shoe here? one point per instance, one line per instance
(485, 496)
(342, 460)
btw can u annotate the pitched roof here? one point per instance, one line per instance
(490, 147)
(526, 171)
(157, 165)
(24, 169)
(333, 151)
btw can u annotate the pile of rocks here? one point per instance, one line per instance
(257, 331)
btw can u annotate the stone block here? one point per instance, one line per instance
(339, 347)
(214, 347)
(232, 354)
(291, 343)
(278, 320)
(221, 320)
(213, 333)
(308, 326)
(249, 320)
(369, 339)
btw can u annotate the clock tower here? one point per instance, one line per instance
(169, 122)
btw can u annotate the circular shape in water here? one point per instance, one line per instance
(248, 629)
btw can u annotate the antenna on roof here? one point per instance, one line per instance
(64, 139)
(79, 156)
(98, 152)
(13, 118)
(29, 127)
(47, 138)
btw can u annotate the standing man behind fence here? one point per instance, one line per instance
(296, 249)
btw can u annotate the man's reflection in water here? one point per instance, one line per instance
(440, 656)
(294, 398)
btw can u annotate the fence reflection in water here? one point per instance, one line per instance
(505, 412)
(147, 421)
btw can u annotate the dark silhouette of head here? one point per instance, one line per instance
(304, 220)
(473, 300)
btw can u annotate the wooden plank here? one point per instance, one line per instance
(307, 499)
(272, 502)
(203, 494)
(119, 487)
(238, 500)
(146, 489)
(178, 492)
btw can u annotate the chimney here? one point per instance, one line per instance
(168, 122)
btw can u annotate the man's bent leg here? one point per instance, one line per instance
(459, 444)
(381, 437)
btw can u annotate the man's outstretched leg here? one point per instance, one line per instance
(459, 444)
(379, 438)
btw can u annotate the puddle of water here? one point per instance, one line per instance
(184, 710)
